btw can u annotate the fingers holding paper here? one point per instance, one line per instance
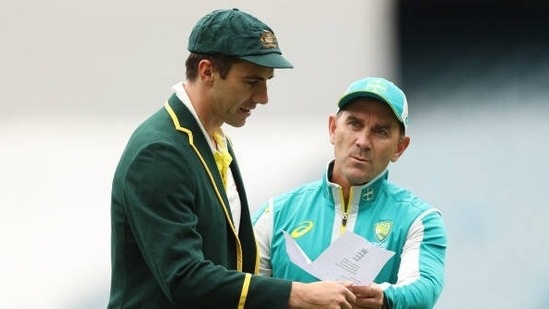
(322, 294)
(370, 296)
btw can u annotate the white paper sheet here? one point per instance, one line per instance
(349, 258)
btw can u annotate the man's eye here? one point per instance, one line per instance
(382, 131)
(354, 124)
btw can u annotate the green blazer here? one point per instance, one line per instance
(174, 244)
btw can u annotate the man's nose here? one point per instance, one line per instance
(363, 140)
(260, 94)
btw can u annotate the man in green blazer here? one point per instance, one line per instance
(181, 229)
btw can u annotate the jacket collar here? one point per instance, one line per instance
(359, 195)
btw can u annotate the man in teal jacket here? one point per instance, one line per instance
(368, 132)
(181, 230)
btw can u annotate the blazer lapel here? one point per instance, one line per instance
(186, 123)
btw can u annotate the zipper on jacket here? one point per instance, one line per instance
(345, 208)
(344, 219)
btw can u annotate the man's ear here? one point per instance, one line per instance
(401, 147)
(331, 128)
(205, 71)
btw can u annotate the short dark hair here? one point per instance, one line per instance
(222, 63)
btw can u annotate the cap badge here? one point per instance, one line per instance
(268, 39)
(376, 86)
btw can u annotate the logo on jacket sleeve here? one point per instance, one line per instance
(382, 229)
(303, 228)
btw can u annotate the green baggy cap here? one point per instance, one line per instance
(236, 33)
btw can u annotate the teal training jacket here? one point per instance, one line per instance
(383, 213)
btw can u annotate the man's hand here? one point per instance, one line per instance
(370, 296)
(322, 294)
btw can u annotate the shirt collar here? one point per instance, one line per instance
(182, 95)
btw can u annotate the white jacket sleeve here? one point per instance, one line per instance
(263, 228)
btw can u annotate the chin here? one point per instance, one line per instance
(358, 178)
(236, 124)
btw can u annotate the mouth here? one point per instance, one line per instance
(359, 159)
(246, 111)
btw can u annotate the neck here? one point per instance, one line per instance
(203, 106)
